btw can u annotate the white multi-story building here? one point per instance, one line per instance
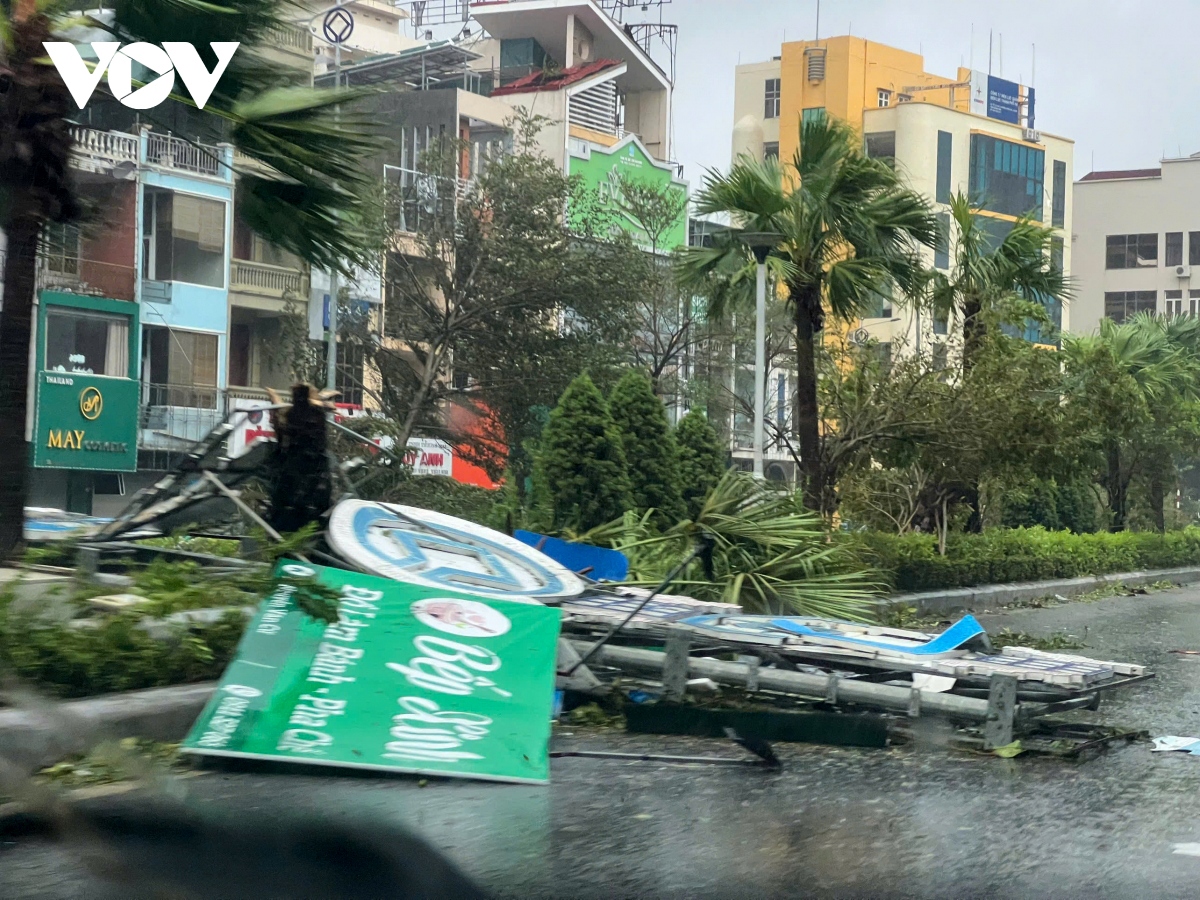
(1007, 169)
(1137, 243)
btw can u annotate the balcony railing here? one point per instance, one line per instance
(293, 37)
(100, 151)
(75, 275)
(268, 280)
(176, 153)
(175, 416)
(417, 200)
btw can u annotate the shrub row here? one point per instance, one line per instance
(911, 562)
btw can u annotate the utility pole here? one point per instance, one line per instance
(332, 349)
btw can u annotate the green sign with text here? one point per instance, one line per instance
(85, 422)
(409, 679)
(605, 170)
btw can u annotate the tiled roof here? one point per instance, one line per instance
(554, 81)
(1117, 174)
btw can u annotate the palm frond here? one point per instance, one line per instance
(770, 556)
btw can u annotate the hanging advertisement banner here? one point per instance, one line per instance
(413, 679)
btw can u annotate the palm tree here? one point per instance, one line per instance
(1135, 386)
(848, 229)
(986, 274)
(311, 202)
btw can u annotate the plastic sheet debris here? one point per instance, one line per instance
(1186, 849)
(934, 684)
(596, 563)
(1169, 742)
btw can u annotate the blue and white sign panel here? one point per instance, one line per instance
(427, 548)
(1000, 99)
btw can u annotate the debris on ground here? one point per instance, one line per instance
(1169, 742)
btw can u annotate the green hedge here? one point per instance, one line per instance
(911, 562)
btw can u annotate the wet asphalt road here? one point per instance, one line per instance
(920, 821)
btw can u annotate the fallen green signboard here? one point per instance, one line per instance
(409, 678)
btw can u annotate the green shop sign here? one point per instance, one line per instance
(84, 420)
(604, 169)
(409, 679)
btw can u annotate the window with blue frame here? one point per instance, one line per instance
(1006, 177)
(945, 155)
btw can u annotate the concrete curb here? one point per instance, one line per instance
(993, 596)
(36, 737)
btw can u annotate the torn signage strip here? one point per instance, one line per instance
(409, 678)
(870, 641)
(596, 563)
(618, 602)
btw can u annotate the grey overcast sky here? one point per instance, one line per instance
(1117, 77)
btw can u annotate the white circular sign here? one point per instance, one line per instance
(423, 547)
(467, 618)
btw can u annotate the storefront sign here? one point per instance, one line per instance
(409, 678)
(423, 547)
(251, 425)
(85, 422)
(606, 169)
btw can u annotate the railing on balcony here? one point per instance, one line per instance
(74, 275)
(417, 200)
(176, 153)
(293, 37)
(175, 416)
(100, 151)
(261, 278)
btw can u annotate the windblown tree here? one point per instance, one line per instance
(665, 315)
(310, 201)
(847, 230)
(502, 295)
(650, 449)
(1133, 390)
(994, 282)
(581, 475)
(701, 460)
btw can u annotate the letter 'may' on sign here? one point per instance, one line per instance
(172, 57)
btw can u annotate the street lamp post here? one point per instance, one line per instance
(761, 244)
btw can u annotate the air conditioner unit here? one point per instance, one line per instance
(1032, 135)
(1183, 271)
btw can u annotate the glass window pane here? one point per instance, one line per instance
(1147, 249)
(945, 152)
(1174, 248)
(1114, 305)
(87, 343)
(1058, 201)
(1194, 248)
(771, 98)
(1006, 177)
(881, 145)
(198, 240)
(1114, 257)
(941, 250)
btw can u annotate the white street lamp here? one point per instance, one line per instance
(761, 243)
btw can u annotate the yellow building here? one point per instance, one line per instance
(972, 134)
